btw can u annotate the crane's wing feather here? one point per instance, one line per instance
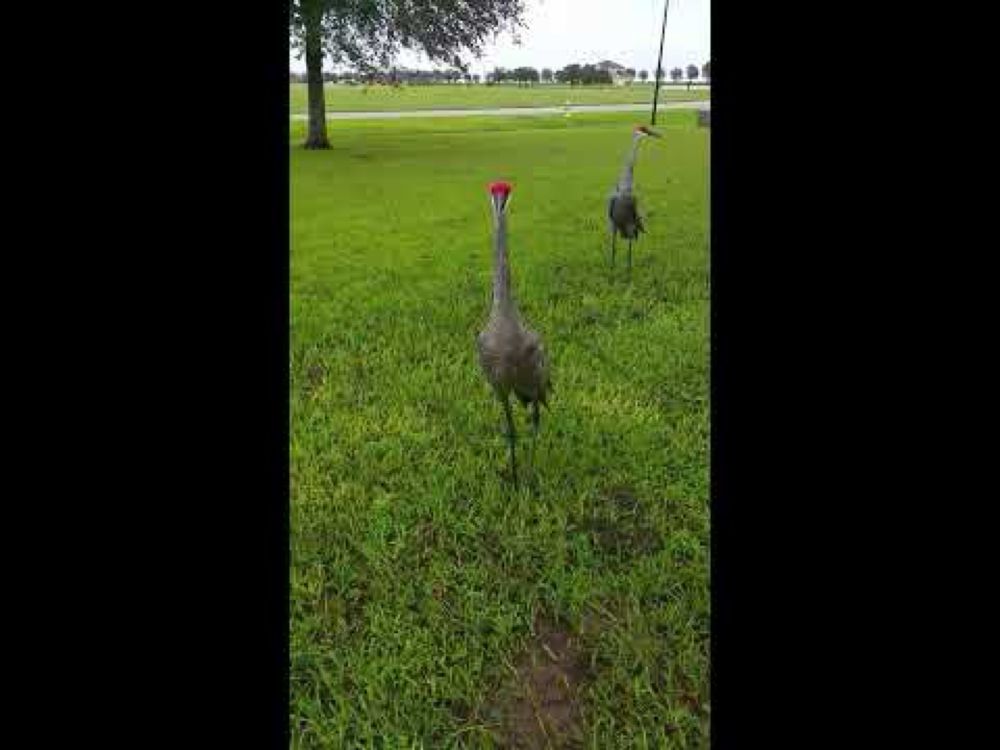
(533, 382)
(624, 214)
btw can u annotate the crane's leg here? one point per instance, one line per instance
(612, 247)
(630, 258)
(535, 419)
(511, 436)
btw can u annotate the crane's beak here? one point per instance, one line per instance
(654, 133)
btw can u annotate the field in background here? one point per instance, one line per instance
(344, 98)
(430, 604)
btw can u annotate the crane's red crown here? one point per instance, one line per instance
(641, 129)
(500, 188)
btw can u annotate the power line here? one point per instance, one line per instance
(659, 63)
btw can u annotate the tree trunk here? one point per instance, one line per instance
(314, 73)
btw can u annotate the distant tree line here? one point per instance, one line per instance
(574, 74)
(584, 75)
(395, 76)
(523, 76)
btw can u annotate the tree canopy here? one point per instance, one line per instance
(368, 34)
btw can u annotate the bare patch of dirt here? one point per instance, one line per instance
(315, 376)
(540, 707)
(619, 527)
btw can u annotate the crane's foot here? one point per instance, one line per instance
(517, 482)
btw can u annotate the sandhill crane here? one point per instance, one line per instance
(511, 355)
(623, 207)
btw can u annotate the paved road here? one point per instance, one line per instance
(508, 111)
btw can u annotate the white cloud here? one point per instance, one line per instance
(560, 32)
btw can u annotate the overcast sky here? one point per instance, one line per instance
(560, 32)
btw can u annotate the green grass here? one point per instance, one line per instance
(340, 97)
(416, 571)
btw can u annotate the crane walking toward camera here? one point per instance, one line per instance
(623, 206)
(510, 354)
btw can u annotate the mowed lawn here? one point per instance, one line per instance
(432, 605)
(344, 98)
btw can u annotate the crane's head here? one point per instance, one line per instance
(500, 195)
(641, 131)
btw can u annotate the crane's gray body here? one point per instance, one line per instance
(513, 360)
(623, 207)
(511, 355)
(624, 216)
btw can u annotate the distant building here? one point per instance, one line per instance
(618, 75)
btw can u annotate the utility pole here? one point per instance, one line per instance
(659, 62)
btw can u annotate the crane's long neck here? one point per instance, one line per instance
(502, 302)
(625, 181)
